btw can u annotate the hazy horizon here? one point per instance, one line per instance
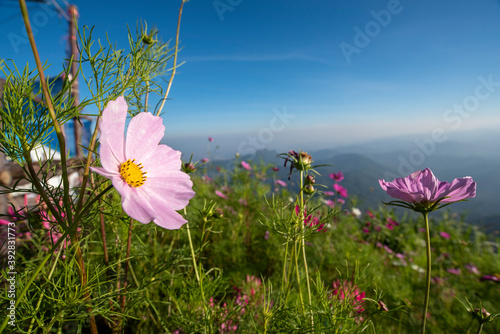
(480, 142)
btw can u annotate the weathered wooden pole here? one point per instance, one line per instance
(73, 14)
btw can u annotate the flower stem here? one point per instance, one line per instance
(48, 101)
(118, 327)
(83, 280)
(428, 281)
(21, 295)
(283, 281)
(174, 67)
(480, 329)
(302, 208)
(41, 295)
(195, 266)
(298, 276)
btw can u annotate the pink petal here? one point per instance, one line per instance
(428, 185)
(220, 194)
(175, 190)
(399, 194)
(170, 219)
(145, 207)
(137, 207)
(112, 126)
(160, 160)
(143, 135)
(459, 189)
(105, 172)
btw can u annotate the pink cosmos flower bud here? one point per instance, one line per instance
(188, 168)
(310, 179)
(306, 158)
(382, 306)
(309, 189)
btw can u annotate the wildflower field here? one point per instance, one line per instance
(150, 241)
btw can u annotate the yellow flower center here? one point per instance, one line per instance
(132, 173)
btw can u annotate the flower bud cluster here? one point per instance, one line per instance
(300, 161)
(309, 185)
(481, 315)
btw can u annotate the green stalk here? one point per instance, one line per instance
(428, 282)
(21, 295)
(298, 277)
(302, 208)
(50, 107)
(62, 145)
(175, 59)
(195, 266)
(480, 329)
(283, 281)
(41, 295)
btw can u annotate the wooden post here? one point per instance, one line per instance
(3, 197)
(73, 14)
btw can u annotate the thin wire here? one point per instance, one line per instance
(31, 2)
(60, 10)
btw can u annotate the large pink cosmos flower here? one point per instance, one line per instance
(147, 175)
(423, 189)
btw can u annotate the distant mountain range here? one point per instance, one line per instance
(477, 155)
(362, 174)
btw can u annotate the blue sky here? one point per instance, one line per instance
(347, 71)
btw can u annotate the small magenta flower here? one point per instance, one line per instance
(146, 174)
(280, 182)
(210, 139)
(337, 176)
(494, 278)
(471, 268)
(330, 203)
(392, 222)
(445, 235)
(310, 220)
(246, 165)
(347, 291)
(424, 192)
(454, 271)
(220, 194)
(275, 169)
(205, 160)
(340, 190)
